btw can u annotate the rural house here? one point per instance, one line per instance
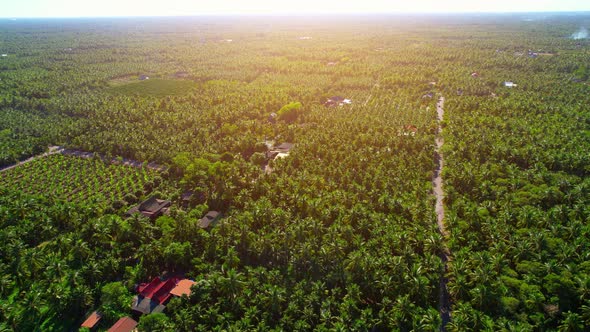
(282, 150)
(209, 219)
(182, 288)
(125, 324)
(92, 321)
(151, 208)
(154, 295)
(337, 101)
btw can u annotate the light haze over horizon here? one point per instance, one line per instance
(109, 8)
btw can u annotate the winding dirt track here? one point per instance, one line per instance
(437, 188)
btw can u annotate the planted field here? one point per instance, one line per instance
(77, 180)
(155, 88)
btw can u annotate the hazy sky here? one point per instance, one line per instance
(69, 8)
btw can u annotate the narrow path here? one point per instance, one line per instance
(437, 188)
(52, 150)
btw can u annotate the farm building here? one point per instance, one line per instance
(92, 320)
(282, 149)
(337, 101)
(151, 208)
(509, 84)
(143, 77)
(281, 155)
(125, 324)
(153, 296)
(209, 219)
(187, 197)
(475, 74)
(182, 288)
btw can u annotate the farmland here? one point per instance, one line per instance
(77, 180)
(154, 87)
(342, 234)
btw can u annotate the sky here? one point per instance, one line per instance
(95, 8)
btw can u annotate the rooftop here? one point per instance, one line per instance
(337, 101)
(158, 290)
(92, 320)
(125, 324)
(145, 305)
(183, 287)
(209, 219)
(151, 208)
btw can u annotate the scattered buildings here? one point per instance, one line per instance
(532, 54)
(154, 296)
(475, 74)
(151, 208)
(143, 77)
(4, 55)
(509, 84)
(125, 324)
(209, 219)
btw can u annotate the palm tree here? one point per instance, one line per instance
(572, 322)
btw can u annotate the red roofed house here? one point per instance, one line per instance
(92, 320)
(152, 296)
(183, 287)
(125, 324)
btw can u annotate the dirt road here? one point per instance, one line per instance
(437, 188)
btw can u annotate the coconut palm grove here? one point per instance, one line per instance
(420, 172)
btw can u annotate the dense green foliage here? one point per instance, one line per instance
(85, 181)
(154, 87)
(339, 235)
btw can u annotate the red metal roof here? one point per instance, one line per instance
(183, 287)
(158, 290)
(92, 320)
(125, 324)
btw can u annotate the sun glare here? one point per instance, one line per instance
(65, 8)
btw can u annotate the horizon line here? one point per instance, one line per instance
(303, 13)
